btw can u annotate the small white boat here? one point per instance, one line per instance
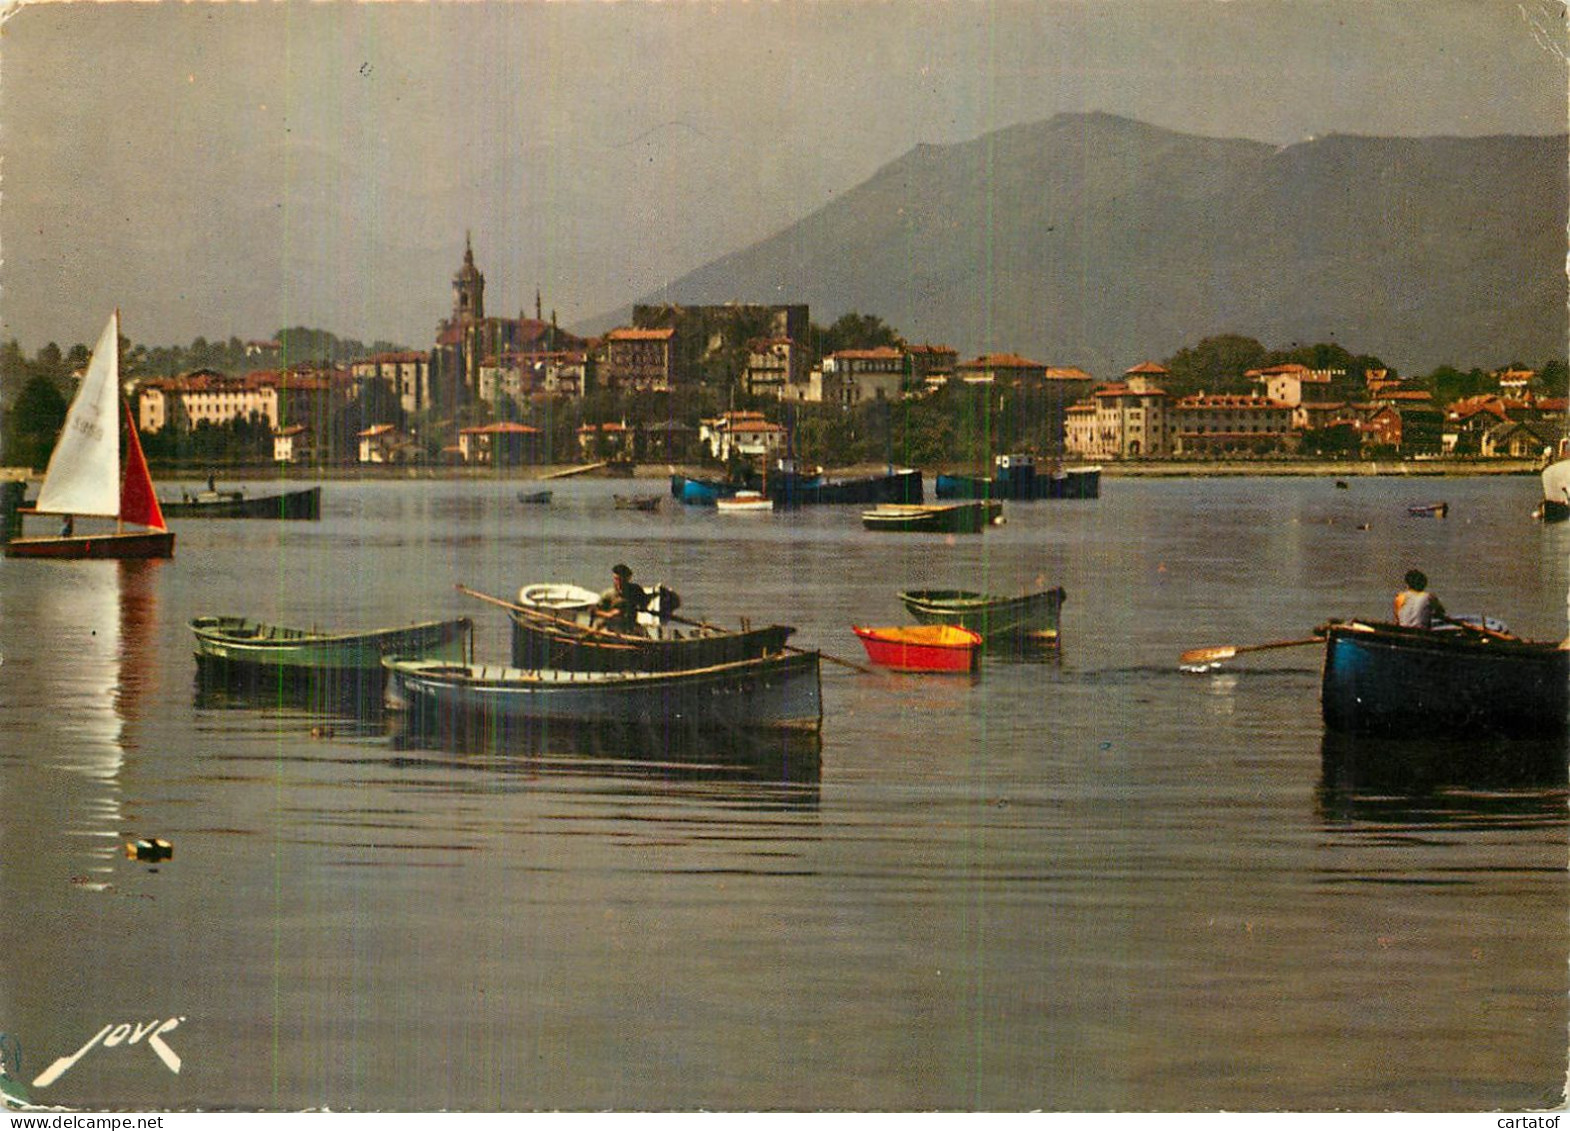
(745, 502)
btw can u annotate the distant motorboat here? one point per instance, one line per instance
(745, 502)
(938, 518)
(1428, 510)
(304, 504)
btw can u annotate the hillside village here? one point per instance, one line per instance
(687, 383)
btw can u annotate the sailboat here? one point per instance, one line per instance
(84, 476)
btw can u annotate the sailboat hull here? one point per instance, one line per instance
(82, 547)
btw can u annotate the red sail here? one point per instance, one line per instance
(137, 502)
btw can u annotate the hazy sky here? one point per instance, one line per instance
(224, 169)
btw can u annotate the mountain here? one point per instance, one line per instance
(1096, 241)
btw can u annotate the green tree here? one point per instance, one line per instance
(1216, 364)
(33, 422)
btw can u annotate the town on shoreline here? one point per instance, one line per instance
(740, 386)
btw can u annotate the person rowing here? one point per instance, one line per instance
(1415, 606)
(620, 605)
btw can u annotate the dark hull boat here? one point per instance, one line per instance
(305, 505)
(1428, 510)
(771, 693)
(1017, 479)
(1382, 679)
(706, 492)
(795, 489)
(543, 640)
(1030, 616)
(947, 518)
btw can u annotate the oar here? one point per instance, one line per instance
(540, 614)
(1227, 651)
(852, 665)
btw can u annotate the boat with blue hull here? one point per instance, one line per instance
(1383, 679)
(706, 492)
(1017, 478)
(769, 693)
(790, 488)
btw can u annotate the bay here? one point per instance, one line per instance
(1095, 882)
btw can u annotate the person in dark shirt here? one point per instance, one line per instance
(620, 605)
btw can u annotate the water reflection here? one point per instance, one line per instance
(658, 752)
(1445, 781)
(353, 695)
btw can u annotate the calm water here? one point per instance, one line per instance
(1096, 883)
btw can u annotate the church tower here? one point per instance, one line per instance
(468, 289)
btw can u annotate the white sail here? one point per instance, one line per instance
(84, 471)
(1556, 481)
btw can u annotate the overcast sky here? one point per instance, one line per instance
(224, 170)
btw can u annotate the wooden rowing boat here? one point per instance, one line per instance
(238, 641)
(637, 502)
(921, 647)
(1384, 679)
(997, 618)
(767, 693)
(552, 629)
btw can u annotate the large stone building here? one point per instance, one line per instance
(468, 339)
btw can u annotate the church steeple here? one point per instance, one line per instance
(468, 288)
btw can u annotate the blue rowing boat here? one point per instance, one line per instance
(767, 693)
(1384, 679)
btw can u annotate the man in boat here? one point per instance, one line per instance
(1415, 606)
(620, 605)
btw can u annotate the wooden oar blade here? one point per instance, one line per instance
(1209, 655)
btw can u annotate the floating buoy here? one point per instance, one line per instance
(149, 848)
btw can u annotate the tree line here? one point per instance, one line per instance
(956, 424)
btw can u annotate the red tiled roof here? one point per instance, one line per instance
(1147, 367)
(877, 353)
(635, 334)
(499, 428)
(1002, 361)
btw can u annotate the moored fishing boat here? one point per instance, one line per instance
(764, 694)
(940, 518)
(241, 642)
(304, 504)
(84, 474)
(921, 647)
(1384, 679)
(790, 488)
(998, 618)
(1016, 478)
(636, 502)
(1428, 510)
(552, 628)
(535, 498)
(704, 492)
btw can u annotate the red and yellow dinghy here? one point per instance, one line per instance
(922, 647)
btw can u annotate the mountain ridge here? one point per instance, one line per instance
(1100, 241)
